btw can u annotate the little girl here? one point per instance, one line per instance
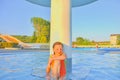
(56, 63)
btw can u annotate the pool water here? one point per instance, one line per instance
(26, 65)
(87, 64)
(100, 64)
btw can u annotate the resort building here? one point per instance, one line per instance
(114, 38)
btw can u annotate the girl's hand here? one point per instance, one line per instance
(53, 57)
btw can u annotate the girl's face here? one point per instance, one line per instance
(58, 49)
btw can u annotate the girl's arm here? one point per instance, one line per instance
(61, 57)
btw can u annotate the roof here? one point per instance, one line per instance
(74, 3)
(115, 35)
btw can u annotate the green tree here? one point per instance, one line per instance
(82, 41)
(42, 30)
(86, 42)
(23, 38)
(33, 39)
(79, 40)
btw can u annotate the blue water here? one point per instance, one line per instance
(96, 64)
(87, 64)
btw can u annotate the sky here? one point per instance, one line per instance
(95, 21)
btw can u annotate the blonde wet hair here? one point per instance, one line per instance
(57, 43)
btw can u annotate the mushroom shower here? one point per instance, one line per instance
(61, 23)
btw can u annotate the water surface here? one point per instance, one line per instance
(87, 64)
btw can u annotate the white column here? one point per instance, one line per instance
(61, 27)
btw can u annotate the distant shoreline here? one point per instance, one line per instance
(99, 46)
(3, 50)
